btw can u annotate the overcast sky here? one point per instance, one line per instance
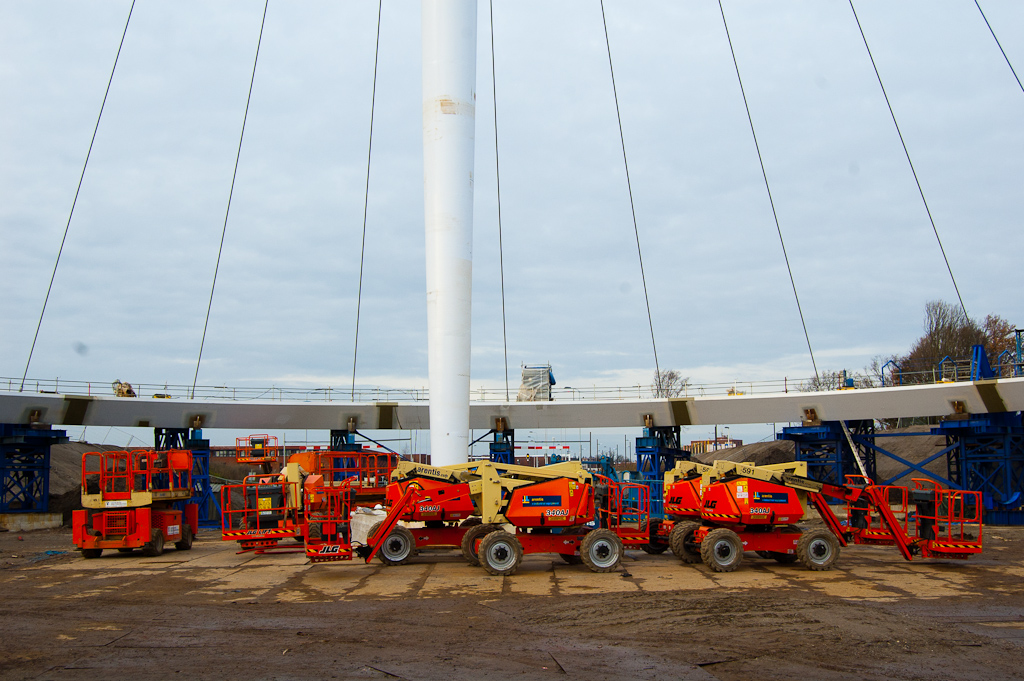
(131, 292)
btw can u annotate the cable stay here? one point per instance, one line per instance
(1000, 45)
(768, 188)
(629, 186)
(497, 178)
(74, 202)
(231, 193)
(366, 203)
(906, 151)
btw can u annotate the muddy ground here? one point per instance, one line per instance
(209, 613)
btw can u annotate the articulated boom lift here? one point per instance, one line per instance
(129, 498)
(560, 508)
(461, 503)
(757, 508)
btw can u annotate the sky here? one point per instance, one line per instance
(130, 294)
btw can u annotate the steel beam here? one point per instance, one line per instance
(941, 399)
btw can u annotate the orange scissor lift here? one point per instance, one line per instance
(315, 486)
(345, 480)
(129, 498)
(266, 508)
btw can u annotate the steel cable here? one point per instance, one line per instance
(906, 151)
(497, 179)
(74, 202)
(629, 186)
(231, 193)
(768, 188)
(366, 202)
(1012, 70)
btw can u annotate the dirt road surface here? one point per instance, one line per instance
(211, 614)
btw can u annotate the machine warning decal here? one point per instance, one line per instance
(771, 497)
(546, 500)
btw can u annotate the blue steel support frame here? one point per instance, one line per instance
(344, 441)
(657, 451)
(25, 467)
(985, 453)
(827, 452)
(202, 489)
(503, 448)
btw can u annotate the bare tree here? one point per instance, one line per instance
(834, 380)
(669, 383)
(825, 380)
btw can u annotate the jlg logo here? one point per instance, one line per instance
(328, 550)
(710, 503)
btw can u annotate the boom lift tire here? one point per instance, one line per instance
(601, 550)
(185, 543)
(470, 522)
(397, 548)
(817, 549)
(722, 550)
(92, 553)
(680, 540)
(651, 548)
(469, 540)
(155, 546)
(501, 553)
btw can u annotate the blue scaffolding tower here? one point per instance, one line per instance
(828, 452)
(657, 451)
(202, 489)
(25, 467)
(502, 449)
(985, 453)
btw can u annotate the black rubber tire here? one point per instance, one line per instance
(722, 550)
(501, 553)
(155, 546)
(571, 558)
(469, 539)
(125, 550)
(680, 540)
(654, 549)
(817, 550)
(471, 522)
(373, 528)
(601, 551)
(783, 558)
(92, 553)
(398, 547)
(185, 543)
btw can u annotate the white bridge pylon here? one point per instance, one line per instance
(942, 399)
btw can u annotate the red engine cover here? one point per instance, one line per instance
(553, 503)
(683, 498)
(751, 502)
(437, 500)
